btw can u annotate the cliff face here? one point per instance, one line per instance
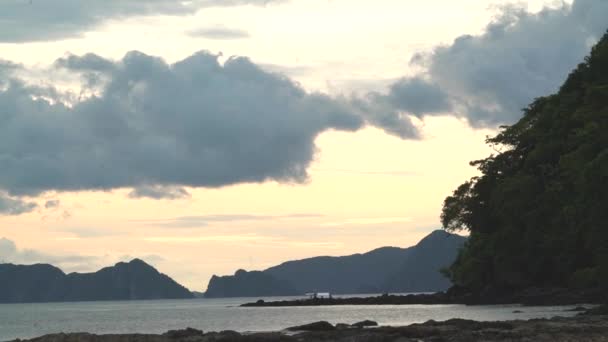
(387, 269)
(123, 281)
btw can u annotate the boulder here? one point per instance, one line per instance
(185, 333)
(316, 326)
(366, 323)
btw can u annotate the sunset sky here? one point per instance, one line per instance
(206, 136)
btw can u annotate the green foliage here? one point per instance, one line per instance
(538, 214)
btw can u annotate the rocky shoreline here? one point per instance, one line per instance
(585, 327)
(530, 297)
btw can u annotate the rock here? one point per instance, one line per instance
(342, 326)
(517, 312)
(366, 323)
(229, 335)
(578, 328)
(185, 333)
(316, 326)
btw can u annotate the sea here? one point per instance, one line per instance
(157, 316)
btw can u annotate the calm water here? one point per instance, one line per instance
(32, 320)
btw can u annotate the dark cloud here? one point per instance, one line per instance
(7, 68)
(40, 20)
(159, 192)
(218, 33)
(14, 206)
(418, 97)
(157, 127)
(488, 78)
(87, 62)
(379, 112)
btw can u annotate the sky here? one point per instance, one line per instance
(206, 136)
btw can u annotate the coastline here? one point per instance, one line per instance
(587, 327)
(530, 297)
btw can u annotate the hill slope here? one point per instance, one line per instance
(421, 270)
(123, 281)
(381, 270)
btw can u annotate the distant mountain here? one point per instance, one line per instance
(256, 284)
(123, 281)
(420, 270)
(387, 269)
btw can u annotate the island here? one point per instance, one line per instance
(387, 269)
(135, 280)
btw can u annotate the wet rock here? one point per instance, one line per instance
(185, 333)
(316, 326)
(366, 323)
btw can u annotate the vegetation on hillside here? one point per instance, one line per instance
(538, 213)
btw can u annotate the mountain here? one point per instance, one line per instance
(381, 270)
(419, 272)
(124, 281)
(537, 214)
(256, 284)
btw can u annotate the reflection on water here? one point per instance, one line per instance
(158, 316)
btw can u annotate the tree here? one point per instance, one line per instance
(538, 214)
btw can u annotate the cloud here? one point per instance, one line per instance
(218, 33)
(7, 68)
(43, 20)
(52, 204)
(69, 263)
(205, 220)
(157, 127)
(246, 240)
(14, 206)
(159, 192)
(10, 253)
(367, 221)
(378, 112)
(87, 232)
(7, 247)
(418, 96)
(488, 78)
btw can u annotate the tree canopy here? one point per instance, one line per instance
(538, 213)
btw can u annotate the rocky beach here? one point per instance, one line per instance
(588, 326)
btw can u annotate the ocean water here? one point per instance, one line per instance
(158, 316)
